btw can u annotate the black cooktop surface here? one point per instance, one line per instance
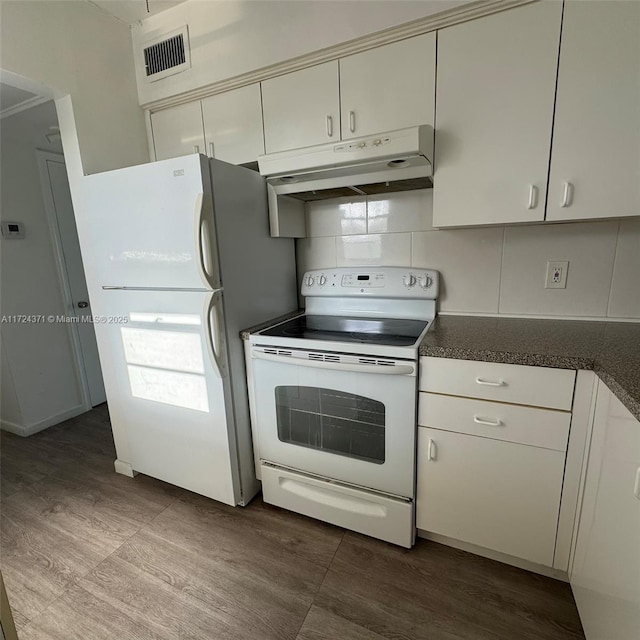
(390, 331)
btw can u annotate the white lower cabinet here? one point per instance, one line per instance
(492, 458)
(497, 495)
(605, 575)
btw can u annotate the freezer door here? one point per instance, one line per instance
(169, 380)
(152, 225)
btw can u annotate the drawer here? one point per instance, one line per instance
(370, 513)
(536, 386)
(510, 422)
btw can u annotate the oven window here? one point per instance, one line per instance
(342, 423)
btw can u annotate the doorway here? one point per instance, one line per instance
(66, 246)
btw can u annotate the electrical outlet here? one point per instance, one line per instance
(556, 274)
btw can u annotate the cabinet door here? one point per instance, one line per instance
(233, 125)
(605, 577)
(388, 88)
(178, 131)
(497, 495)
(595, 161)
(301, 109)
(494, 109)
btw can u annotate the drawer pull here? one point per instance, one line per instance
(636, 485)
(491, 383)
(432, 450)
(489, 423)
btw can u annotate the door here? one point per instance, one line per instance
(170, 378)
(334, 417)
(494, 110)
(388, 88)
(67, 248)
(302, 109)
(597, 117)
(178, 131)
(233, 125)
(494, 494)
(151, 226)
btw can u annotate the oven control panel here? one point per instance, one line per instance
(378, 282)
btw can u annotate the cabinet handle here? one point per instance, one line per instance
(196, 148)
(432, 451)
(636, 485)
(211, 151)
(533, 197)
(352, 121)
(330, 126)
(491, 383)
(567, 195)
(490, 423)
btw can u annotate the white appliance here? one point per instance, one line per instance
(393, 161)
(183, 259)
(335, 392)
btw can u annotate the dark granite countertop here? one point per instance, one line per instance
(611, 349)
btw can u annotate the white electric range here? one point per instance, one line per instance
(335, 395)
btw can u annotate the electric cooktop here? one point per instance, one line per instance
(388, 331)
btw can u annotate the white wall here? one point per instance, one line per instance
(489, 270)
(230, 38)
(40, 382)
(75, 49)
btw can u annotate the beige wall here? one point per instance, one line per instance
(39, 371)
(488, 270)
(232, 38)
(73, 48)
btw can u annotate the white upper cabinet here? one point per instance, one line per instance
(595, 161)
(233, 125)
(302, 109)
(178, 131)
(494, 109)
(388, 88)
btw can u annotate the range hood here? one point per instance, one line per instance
(394, 161)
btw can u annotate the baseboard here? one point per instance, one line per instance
(549, 572)
(124, 468)
(30, 429)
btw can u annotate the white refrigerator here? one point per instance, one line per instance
(181, 260)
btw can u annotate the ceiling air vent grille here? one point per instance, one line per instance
(165, 57)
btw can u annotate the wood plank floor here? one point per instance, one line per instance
(88, 554)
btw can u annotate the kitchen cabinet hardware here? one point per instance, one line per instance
(567, 194)
(491, 383)
(490, 423)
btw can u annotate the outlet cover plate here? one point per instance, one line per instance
(556, 274)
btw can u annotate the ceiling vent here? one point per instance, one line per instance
(167, 56)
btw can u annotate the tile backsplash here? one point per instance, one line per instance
(493, 270)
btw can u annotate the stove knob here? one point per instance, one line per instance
(309, 281)
(323, 280)
(409, 281)
(426, 282)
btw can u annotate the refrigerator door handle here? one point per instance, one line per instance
(215, 334)
(204, 216)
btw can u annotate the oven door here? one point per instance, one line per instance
(344, 417)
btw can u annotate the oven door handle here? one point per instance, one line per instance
(389, 370)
